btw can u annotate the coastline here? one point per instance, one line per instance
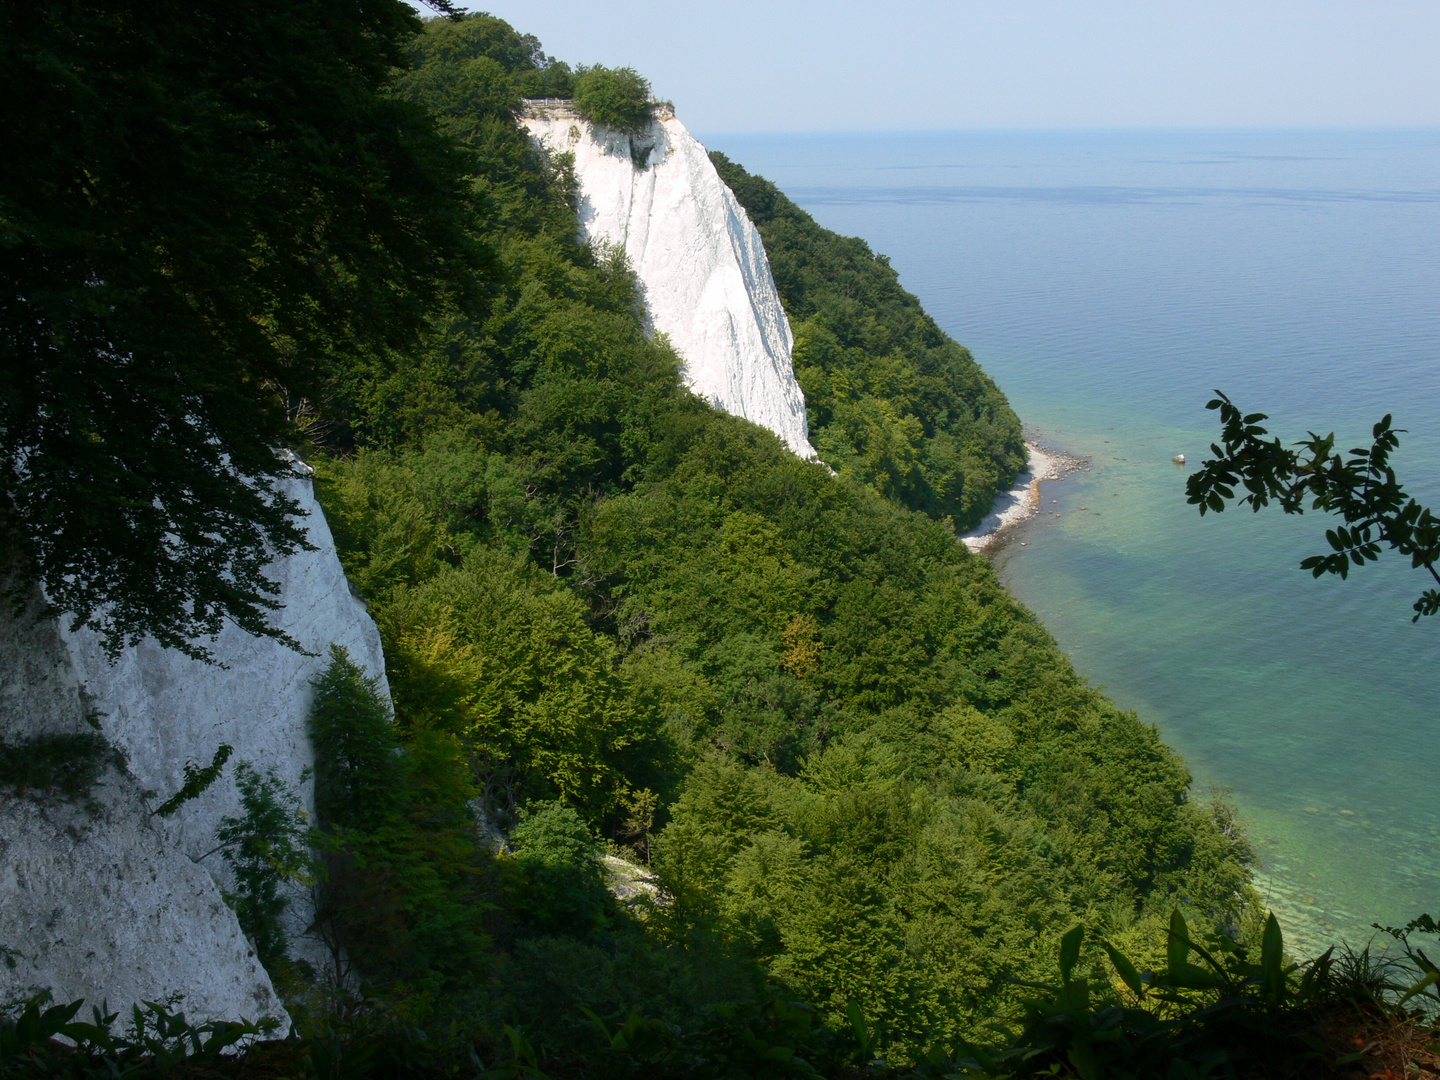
(1022, 500)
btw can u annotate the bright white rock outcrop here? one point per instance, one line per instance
(706, 279)
(107, 901)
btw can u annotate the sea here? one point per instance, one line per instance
(1109, 282)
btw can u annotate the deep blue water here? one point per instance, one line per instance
(1109, 281)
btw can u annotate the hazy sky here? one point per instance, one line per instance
(768, 65)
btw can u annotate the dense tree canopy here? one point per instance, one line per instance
(202, 208)
(859, 768)
(892, 400)
(613, 97)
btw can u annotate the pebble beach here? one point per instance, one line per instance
(1023, 498)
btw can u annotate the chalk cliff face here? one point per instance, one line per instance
(707, 281)
(106, 900)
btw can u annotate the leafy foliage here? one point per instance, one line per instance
(892, 401)
(197, 780)
(1361, 490)
(158, 1043)
(1425, 988)
(56, 767)
(501, 656)
(357, 776)
(1226, 1015)
(402, 869)
(268, 851)
(560, 868)
(191, 233)
(613, 97)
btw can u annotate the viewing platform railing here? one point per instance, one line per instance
(564, 108)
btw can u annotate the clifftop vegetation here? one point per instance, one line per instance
(613, 97)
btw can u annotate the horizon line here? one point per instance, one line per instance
(1095, 129)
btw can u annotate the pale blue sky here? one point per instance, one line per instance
(772, 65)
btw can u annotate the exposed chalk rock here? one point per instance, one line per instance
(629, 883)
(97, 902)
(125, 906)
(706, 279)
(162, 708)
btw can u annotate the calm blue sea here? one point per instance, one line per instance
(1109, 281)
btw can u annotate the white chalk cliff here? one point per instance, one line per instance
(706, 279)
(107, 901)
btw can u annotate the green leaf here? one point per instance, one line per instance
(1082, 1056)
(1272, 956)
(858, 1027)
(1429, 980)
(1125, 969)
(1177, 945)
(1186, 976)
(604, 1031)
(1070, 950)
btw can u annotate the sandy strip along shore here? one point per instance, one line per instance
(1023, 498)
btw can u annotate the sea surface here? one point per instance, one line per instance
(1108, 282)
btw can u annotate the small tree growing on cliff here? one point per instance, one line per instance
(265, 848)
(613, 97)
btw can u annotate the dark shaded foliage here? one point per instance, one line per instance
(200, 209)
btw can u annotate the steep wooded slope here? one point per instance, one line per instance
(894, 401)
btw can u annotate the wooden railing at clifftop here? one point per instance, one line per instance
(548, 108)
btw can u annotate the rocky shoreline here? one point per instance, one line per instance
(1023, 499)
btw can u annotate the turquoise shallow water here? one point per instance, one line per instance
(1107, 282)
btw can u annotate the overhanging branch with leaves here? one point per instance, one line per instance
(1360, 488)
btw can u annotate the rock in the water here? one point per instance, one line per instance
(1178, 459)
(701, 262)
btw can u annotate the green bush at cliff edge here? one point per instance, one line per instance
(613, 97)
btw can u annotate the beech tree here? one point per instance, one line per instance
(202, 208)
(1360, 489)
(613, 97)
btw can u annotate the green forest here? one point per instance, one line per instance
(866, 798)
(856, 767)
